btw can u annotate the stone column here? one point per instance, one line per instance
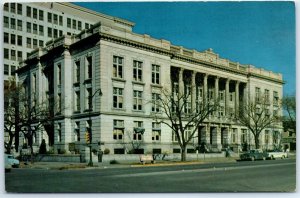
(237, 97)
(180, 82)
(227, 97)
(216, 99)
(193, 91)
(205, 94)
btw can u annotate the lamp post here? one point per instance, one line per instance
(90, 118)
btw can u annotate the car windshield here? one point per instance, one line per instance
(10, 157)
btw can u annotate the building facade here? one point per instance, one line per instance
(130, 71)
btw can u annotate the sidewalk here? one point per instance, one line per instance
(123, 164)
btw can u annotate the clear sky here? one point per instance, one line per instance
(257, 33)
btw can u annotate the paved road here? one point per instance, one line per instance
(263, 176)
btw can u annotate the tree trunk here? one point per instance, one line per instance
(256, 139)
(183, 153)
(8, 149)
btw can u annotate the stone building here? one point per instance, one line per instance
(103, 78)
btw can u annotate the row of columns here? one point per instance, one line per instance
(216, 88)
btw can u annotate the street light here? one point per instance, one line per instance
(90, 131)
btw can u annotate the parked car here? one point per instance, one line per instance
(7, 164)
(277, 154)
(254, 154)
(12, 161)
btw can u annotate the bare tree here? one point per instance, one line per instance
(289, 105)
(135, 140)
(256, 116)
(176, 110)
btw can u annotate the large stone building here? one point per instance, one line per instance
(103, 79)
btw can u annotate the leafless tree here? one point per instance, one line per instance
(256, 116)
(176, 110)
(289, 105)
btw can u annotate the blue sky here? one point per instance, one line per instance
(257, 33)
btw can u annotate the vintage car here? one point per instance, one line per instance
(12, 161)
(254, 154)
(277, 154)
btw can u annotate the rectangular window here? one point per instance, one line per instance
(155, 102)
(41, 43)
(12, 23)
(6, 37)
(244, 136)
(77, 131)
(267, 96)
(117, 67)
(49, 17)
(137, 100)
(55, 19)
(20, 57)
(20, 25)
(60, 32)
(257, 94)
(34, 43)
(86, 26)
(12, 7)
(13, 54)
(28, 11)
(34, 27)
(155, 74)
(137, 130)
(28, 27)
(188, 99)
(6, 53)
(41, 15)
(60, 20)
(275, 98)
(118, 131)
(55, 33)
(74, 24)
(77, 100)
(35, 14)
(19, 7)
(118, 98)
(49, 32)
(89, 99)
(6, 69)
(12, 69)
(68, 22)
(41, 30)
(89, 67)
(234, 136)
(6, 22)
(20, 40)
(156, 131)
(221, 95)
(79, 25)
(221, 111)
(77, 72)
(137, 71)
(6, 7)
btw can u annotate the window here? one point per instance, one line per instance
(19, 40)
(267, 137)
(6, 69)
(12, 23)
(6, 53)
(28, 27)
(199, 96)
(79, 25)
(49, 32)
(41, 43)
(89, 99)
(6, 37)
(267, 96)
(59, 132)
(34, 43)
(20, 25)
(118, 98)
(86, 26)
(211, 94)
(77, 72)
(188, 99)
(117, 67)
(155, 102)
(6, 7)
(68, 22)
(137, 71)
(231, 97)
(89, 67)
(28, 11)
(6, 22)
(49, 17)
(13, 7)
(55, 19)
(118, 131)
(13, 54)
(257, 94)
(41, 30)
(221, 95)
(77, 131)
(221, 111)
(74, 24)
(77, 100)
(138, 130)
(244, 136)
(275, 98)
(155, 74)
(59, 103)
(59, 74)
(60, 20)
(35, 14)
(20, 57)
(28, 42)
(12, 69)
(174, 137)
(55, 33)
(60, 32)
(34, 26)
(156, 131)
(19, 7)
(234, 136)
(137, 100)
(41, 15)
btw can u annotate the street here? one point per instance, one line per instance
(248, 176)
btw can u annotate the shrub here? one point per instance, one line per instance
(106, 151)
(113, 162)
